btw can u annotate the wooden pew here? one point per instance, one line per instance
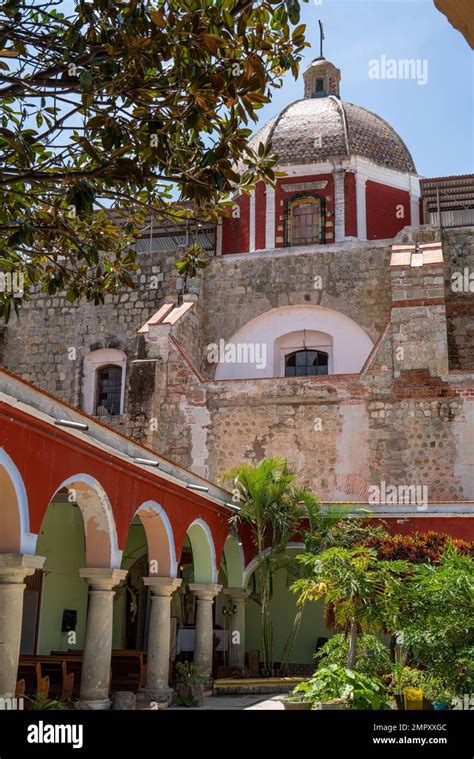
(128, 667)
(55, 675)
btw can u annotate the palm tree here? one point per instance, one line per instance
(362, 592)
(271, 505)
(317, 535)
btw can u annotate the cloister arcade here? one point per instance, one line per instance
(77, 516)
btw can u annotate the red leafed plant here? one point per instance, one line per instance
(418, 548)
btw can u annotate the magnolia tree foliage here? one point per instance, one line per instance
(113, 112)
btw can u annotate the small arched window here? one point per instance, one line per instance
(306, 363)
(108, 391)
(305, 221)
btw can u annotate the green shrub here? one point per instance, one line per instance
(334, 682)
(372, 656)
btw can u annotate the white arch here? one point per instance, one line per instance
(104, 510)
(238, 548)
(257, 343)
(160, 512)
(27, 539)
(212, 568)
(252, 565)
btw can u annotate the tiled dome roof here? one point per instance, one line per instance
(314, 130)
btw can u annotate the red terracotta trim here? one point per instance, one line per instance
(184, 355)
(418, 302)
(374, 350)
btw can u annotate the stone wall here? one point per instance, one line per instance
(402, 424)
(355, 280)
(341, 434)
(47, 344)
(458, 246)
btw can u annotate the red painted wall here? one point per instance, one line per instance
(46, 457)
(281, 196)
(235, 232)
(458, 527)
(382, 202)
(350, 205)
(260, 216)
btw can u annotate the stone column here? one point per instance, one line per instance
(157, 687)
(339, 205)
(98, 643)
(14, 567)
(237, 597)
(203, 648)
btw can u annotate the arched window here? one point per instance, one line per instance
(305, 221)
(306, 363)
(103, 384)
(108, 391)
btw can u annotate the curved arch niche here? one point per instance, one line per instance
(260, 345)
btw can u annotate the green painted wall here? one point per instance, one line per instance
(135, 547)
(283, 609)
(61, 540)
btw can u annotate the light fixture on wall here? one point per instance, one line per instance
(233, 506)
(197, 487)
(147, 462)
(72, 425)
(231, 609)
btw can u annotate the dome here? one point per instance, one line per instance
(321, 127)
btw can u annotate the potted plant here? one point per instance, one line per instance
(297, 701)
(401, 679)
(437, 691)
(189, 684)
(335, 687)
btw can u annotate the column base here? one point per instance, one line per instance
(95, 705)
(161, 694)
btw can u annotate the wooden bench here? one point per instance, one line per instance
(50, 675)
(128, 667)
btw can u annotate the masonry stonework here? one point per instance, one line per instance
(402, 421)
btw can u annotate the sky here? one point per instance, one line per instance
(435, 119)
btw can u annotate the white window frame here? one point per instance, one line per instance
(94, 361)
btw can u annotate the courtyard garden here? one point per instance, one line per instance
(400, 607)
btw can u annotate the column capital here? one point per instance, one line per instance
(162, 586)
(14, 567)
(205, 591)
(237, 595)
(102, 578)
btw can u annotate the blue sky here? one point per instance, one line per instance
(436, 120)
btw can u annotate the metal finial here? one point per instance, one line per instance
(321, 37)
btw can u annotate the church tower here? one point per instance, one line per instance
(321, 79)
